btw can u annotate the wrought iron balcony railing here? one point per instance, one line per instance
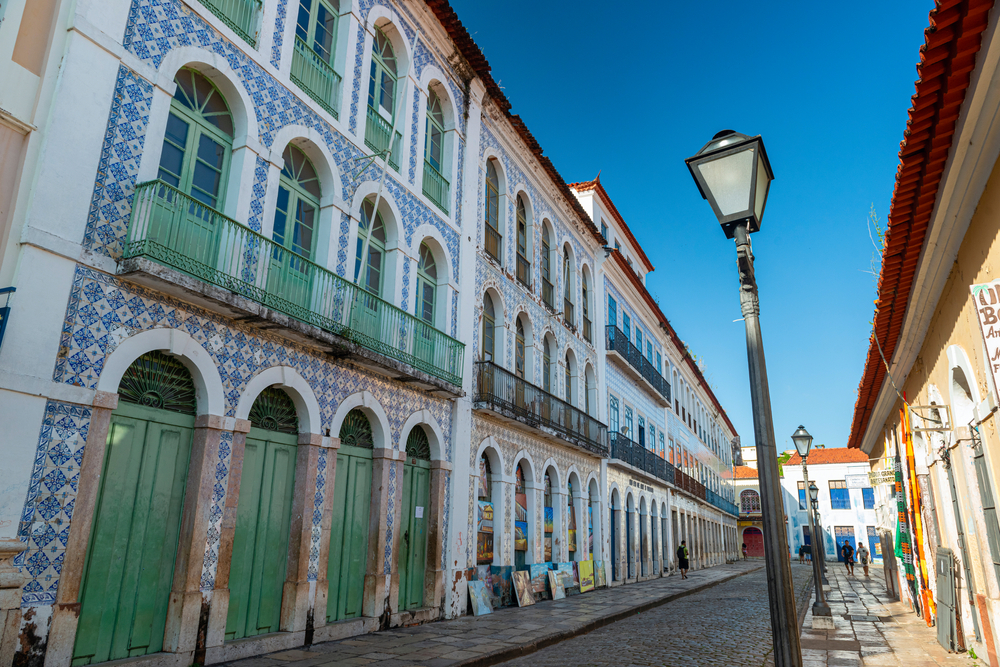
(377, 130)
(503, 392)
(243, 16)
(493, 242)
(617, 341)
(523, 271)
(639, 457)
(436, 187)
(315, 76)
(178, 231)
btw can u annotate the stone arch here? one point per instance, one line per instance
(312, 143)
(209, 391)
(493, 451)
(370, 406)
(295, 385)
(435, 436)
(387, 20)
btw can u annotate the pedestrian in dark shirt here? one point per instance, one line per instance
(682, 559)
(744, 551)
(847, 551)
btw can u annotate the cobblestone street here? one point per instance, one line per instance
(724, 625)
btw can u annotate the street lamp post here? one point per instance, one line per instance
(803, 443)
(814, 494)
(733, 173)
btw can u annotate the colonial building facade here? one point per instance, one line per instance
(304, 328)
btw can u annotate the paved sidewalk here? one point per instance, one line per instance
(504, 634)
(900, 637)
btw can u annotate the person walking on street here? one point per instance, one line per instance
(682, 559)
(847, 551)
(802, 554)
(744, 551)
(863, 558)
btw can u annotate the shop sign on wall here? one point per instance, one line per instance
(986, 300)
(857, 481)
(876, 477)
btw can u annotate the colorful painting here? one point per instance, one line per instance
(572, 541)
(576, 574)
(522, 586)
(556, 585)
(484, 478)
(548, 547)
(484, 548)
(520, 536)
(480, 599)
(585, 568)
(600, 576)
(566, 572)
(502, 587)
(520, 512)
(590, 530)
(538, 573)
(548, 520)
(485, 575)
(485, 522)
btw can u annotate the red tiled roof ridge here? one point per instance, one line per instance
(947, 60)
(744, 472)
(669, 329)
(595, 185)
(829, 455)
(469, 50)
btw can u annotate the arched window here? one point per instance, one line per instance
(523, 263)
(567, 287)
(312, 60)
(547, 295)
(586, 307)
(197, 145)
(375, 265)
(519, 350)
(435, 183)
(493, 237)
(427, 277)
(273, 410)
(489, 328)
(295, 217)
(569, 381)
(381, 99)
(749, 502)
(160, 381)
(546, 366)
(613, 416)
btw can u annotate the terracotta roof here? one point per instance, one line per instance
(826, 455)
(595, 185)
(744, 472)
(669, 330)
(477, 61)
(947, 60)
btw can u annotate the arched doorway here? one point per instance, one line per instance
(520, 518)
(570, 521)
(351, 510)
(416, 512)
(263, 517)
(548, 519)
(643, 538)
(629, 538)
(754, 540)
(613, 524)
(653, 521)
(129, 564)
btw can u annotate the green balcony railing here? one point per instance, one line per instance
(377, 130)
(243, 16)
(315, 76)
(435, 187)
(176, 230)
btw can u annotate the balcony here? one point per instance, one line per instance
(638, 367)
(436, 187)
(377, 131)
(178, 245)
(547, 293)
(717, 501)
(523, 271)
(639, 457)
(315, 76)
(513, 399)
(493, 242)
(243, 16)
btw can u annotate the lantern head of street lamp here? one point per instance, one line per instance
(815, 504)
(733, 173)
(803, 441)
(814, 493)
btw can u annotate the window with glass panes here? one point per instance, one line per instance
(642, 431)
(375, 234)
(198, 140)
(298, 203)
(426, 284)
(316, 26)
(546, 365)
(840, 498)
(638, 339)
(629, 431)
(382, 80)
(803, 504)
(489, 328)
(519, 349)
(868, 496)
(612, 311)
(434, 138)
(613, 415)
(569, 382)
(627, 327)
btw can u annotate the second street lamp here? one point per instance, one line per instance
(733, 173)
(803, 443)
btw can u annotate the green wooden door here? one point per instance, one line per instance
(349, 533)
(129, 565)
(413, 541)
(260, 544)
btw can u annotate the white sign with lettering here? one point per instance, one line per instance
(857, 481)
(419, 513)
(986, 301)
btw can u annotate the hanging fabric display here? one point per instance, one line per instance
(903, 548)
(917, 518)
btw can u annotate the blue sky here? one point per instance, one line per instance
(632, 90)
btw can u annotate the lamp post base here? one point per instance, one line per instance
(821, 609)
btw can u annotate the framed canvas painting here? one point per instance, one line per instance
(522, 586)
(480, 599)
(556, 584)
(586, 570)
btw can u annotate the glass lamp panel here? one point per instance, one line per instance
(729, 178)
(763, 183)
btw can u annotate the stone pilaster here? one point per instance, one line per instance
(387, 473)
(11, 581)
